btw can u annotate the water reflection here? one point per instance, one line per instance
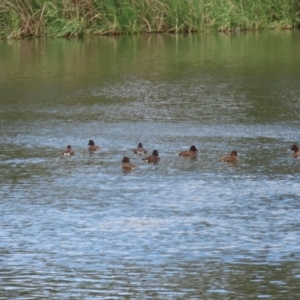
(78, 227)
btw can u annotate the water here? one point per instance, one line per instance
(80, 228)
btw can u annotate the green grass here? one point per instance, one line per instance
(73, 18)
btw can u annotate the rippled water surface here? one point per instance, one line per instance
(80, 228)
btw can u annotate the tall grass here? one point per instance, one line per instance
(72, 18)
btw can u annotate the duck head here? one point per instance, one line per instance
(193, 148)
(125, 160)
(295, 148)
(155, 153)
(233, 154)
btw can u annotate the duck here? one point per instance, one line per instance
(231, 158)
(193, 152)
(154, 158)
(92, 147)
(127, 165)
(140, 149)
(68, 151)
(296, 151)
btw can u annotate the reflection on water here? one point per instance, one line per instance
(80, 228)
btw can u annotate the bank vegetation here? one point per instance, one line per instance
(73, 18)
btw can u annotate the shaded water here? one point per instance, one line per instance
(80, 228)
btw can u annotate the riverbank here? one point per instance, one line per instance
(73, 18)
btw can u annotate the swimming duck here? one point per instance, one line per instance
(296, 151)
(92, 147)
(127, 165)
(154, 158)
(140, 149)
(193, 152)
(68, 151)
(231, 158)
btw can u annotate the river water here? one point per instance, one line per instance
(80, 228)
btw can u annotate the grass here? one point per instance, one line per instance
(73, 18)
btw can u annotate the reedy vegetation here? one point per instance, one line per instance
(71, 18)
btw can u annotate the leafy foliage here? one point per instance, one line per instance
(72, 18)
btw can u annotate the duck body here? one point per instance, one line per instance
(92, 147)
(193, 152)
(68, 151)
(152, 159)
(231, 158)
(296, 152)
(140, 149)
(127, 165)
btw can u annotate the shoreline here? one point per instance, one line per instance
(73, 18)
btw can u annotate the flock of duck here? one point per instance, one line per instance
(154, 157)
